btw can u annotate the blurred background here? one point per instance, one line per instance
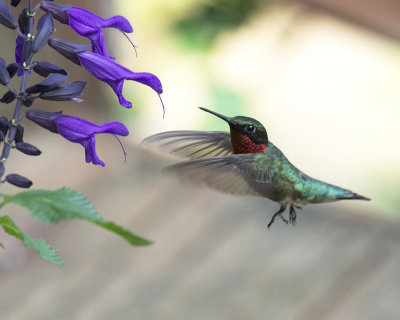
(321, 75)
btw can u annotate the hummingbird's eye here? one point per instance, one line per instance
(250, 128)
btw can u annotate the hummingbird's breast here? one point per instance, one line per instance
(243, 144)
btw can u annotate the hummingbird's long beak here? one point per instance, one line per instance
(227, 119)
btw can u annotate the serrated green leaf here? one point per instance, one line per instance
(2, 245)
(65, 204)
(43, 249)
(53, 206)
(41, 246)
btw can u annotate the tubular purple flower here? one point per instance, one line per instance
(114, 74)
(84, 132)
(77, 130)
(87, 24)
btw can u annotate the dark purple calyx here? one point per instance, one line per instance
(44, 119)
(58, 11)
(68, 49)
(66, 93)
(27, 148)
(18, 180)
(45, 28)
(6, 17)
(45, 68)
(51, 82)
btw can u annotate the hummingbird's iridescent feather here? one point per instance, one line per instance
(232, 174)
(192, 144)
(267, 174)
(245, 162)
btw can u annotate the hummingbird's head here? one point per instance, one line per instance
(247, 134)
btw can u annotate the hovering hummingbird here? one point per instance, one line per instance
(243, 161)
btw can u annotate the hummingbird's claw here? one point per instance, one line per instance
(278, 213)
(292, 214)
(283, 218)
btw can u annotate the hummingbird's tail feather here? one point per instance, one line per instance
(325, 192)
(352, 196)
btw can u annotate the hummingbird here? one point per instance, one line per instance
(244, 162)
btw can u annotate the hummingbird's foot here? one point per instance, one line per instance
(278, 213)
(283, 219)
(292, 214)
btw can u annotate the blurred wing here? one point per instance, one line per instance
(192, 144)
(234, 174)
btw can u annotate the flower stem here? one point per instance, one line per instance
(13, 128)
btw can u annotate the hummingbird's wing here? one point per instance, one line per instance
(192, 144)
(245, 174)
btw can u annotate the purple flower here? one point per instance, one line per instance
(114, 74)
(18, 53)
(87, 24)
(77, 130)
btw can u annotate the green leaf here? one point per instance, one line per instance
(2, 245)
(126, 234)
(65, 204)
(41, 246)
(53, 206)
(44, 250)
(10, 227)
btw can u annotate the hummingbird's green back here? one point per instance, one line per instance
(290, 184)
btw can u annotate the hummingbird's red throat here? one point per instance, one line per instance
(243, 144)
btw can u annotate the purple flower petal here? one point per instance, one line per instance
(83, 132)
(85, 22)
(76, 130)
(114, 74)
(90, 151)
(18, 53)
(90, 25)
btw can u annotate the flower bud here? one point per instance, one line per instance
(12, 69)
(14, 3)
(44, 119)
(45, 68)
(4, 75)
(68, 49)
(27, 148)
(19, 134)
(45, 28)
(8, 97)
(18, 180)
(4, 125)
(23, 21)
(69, 92)
(58, 11)
(6, 17)
(51, 82)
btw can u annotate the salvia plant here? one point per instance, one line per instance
(34, 30)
